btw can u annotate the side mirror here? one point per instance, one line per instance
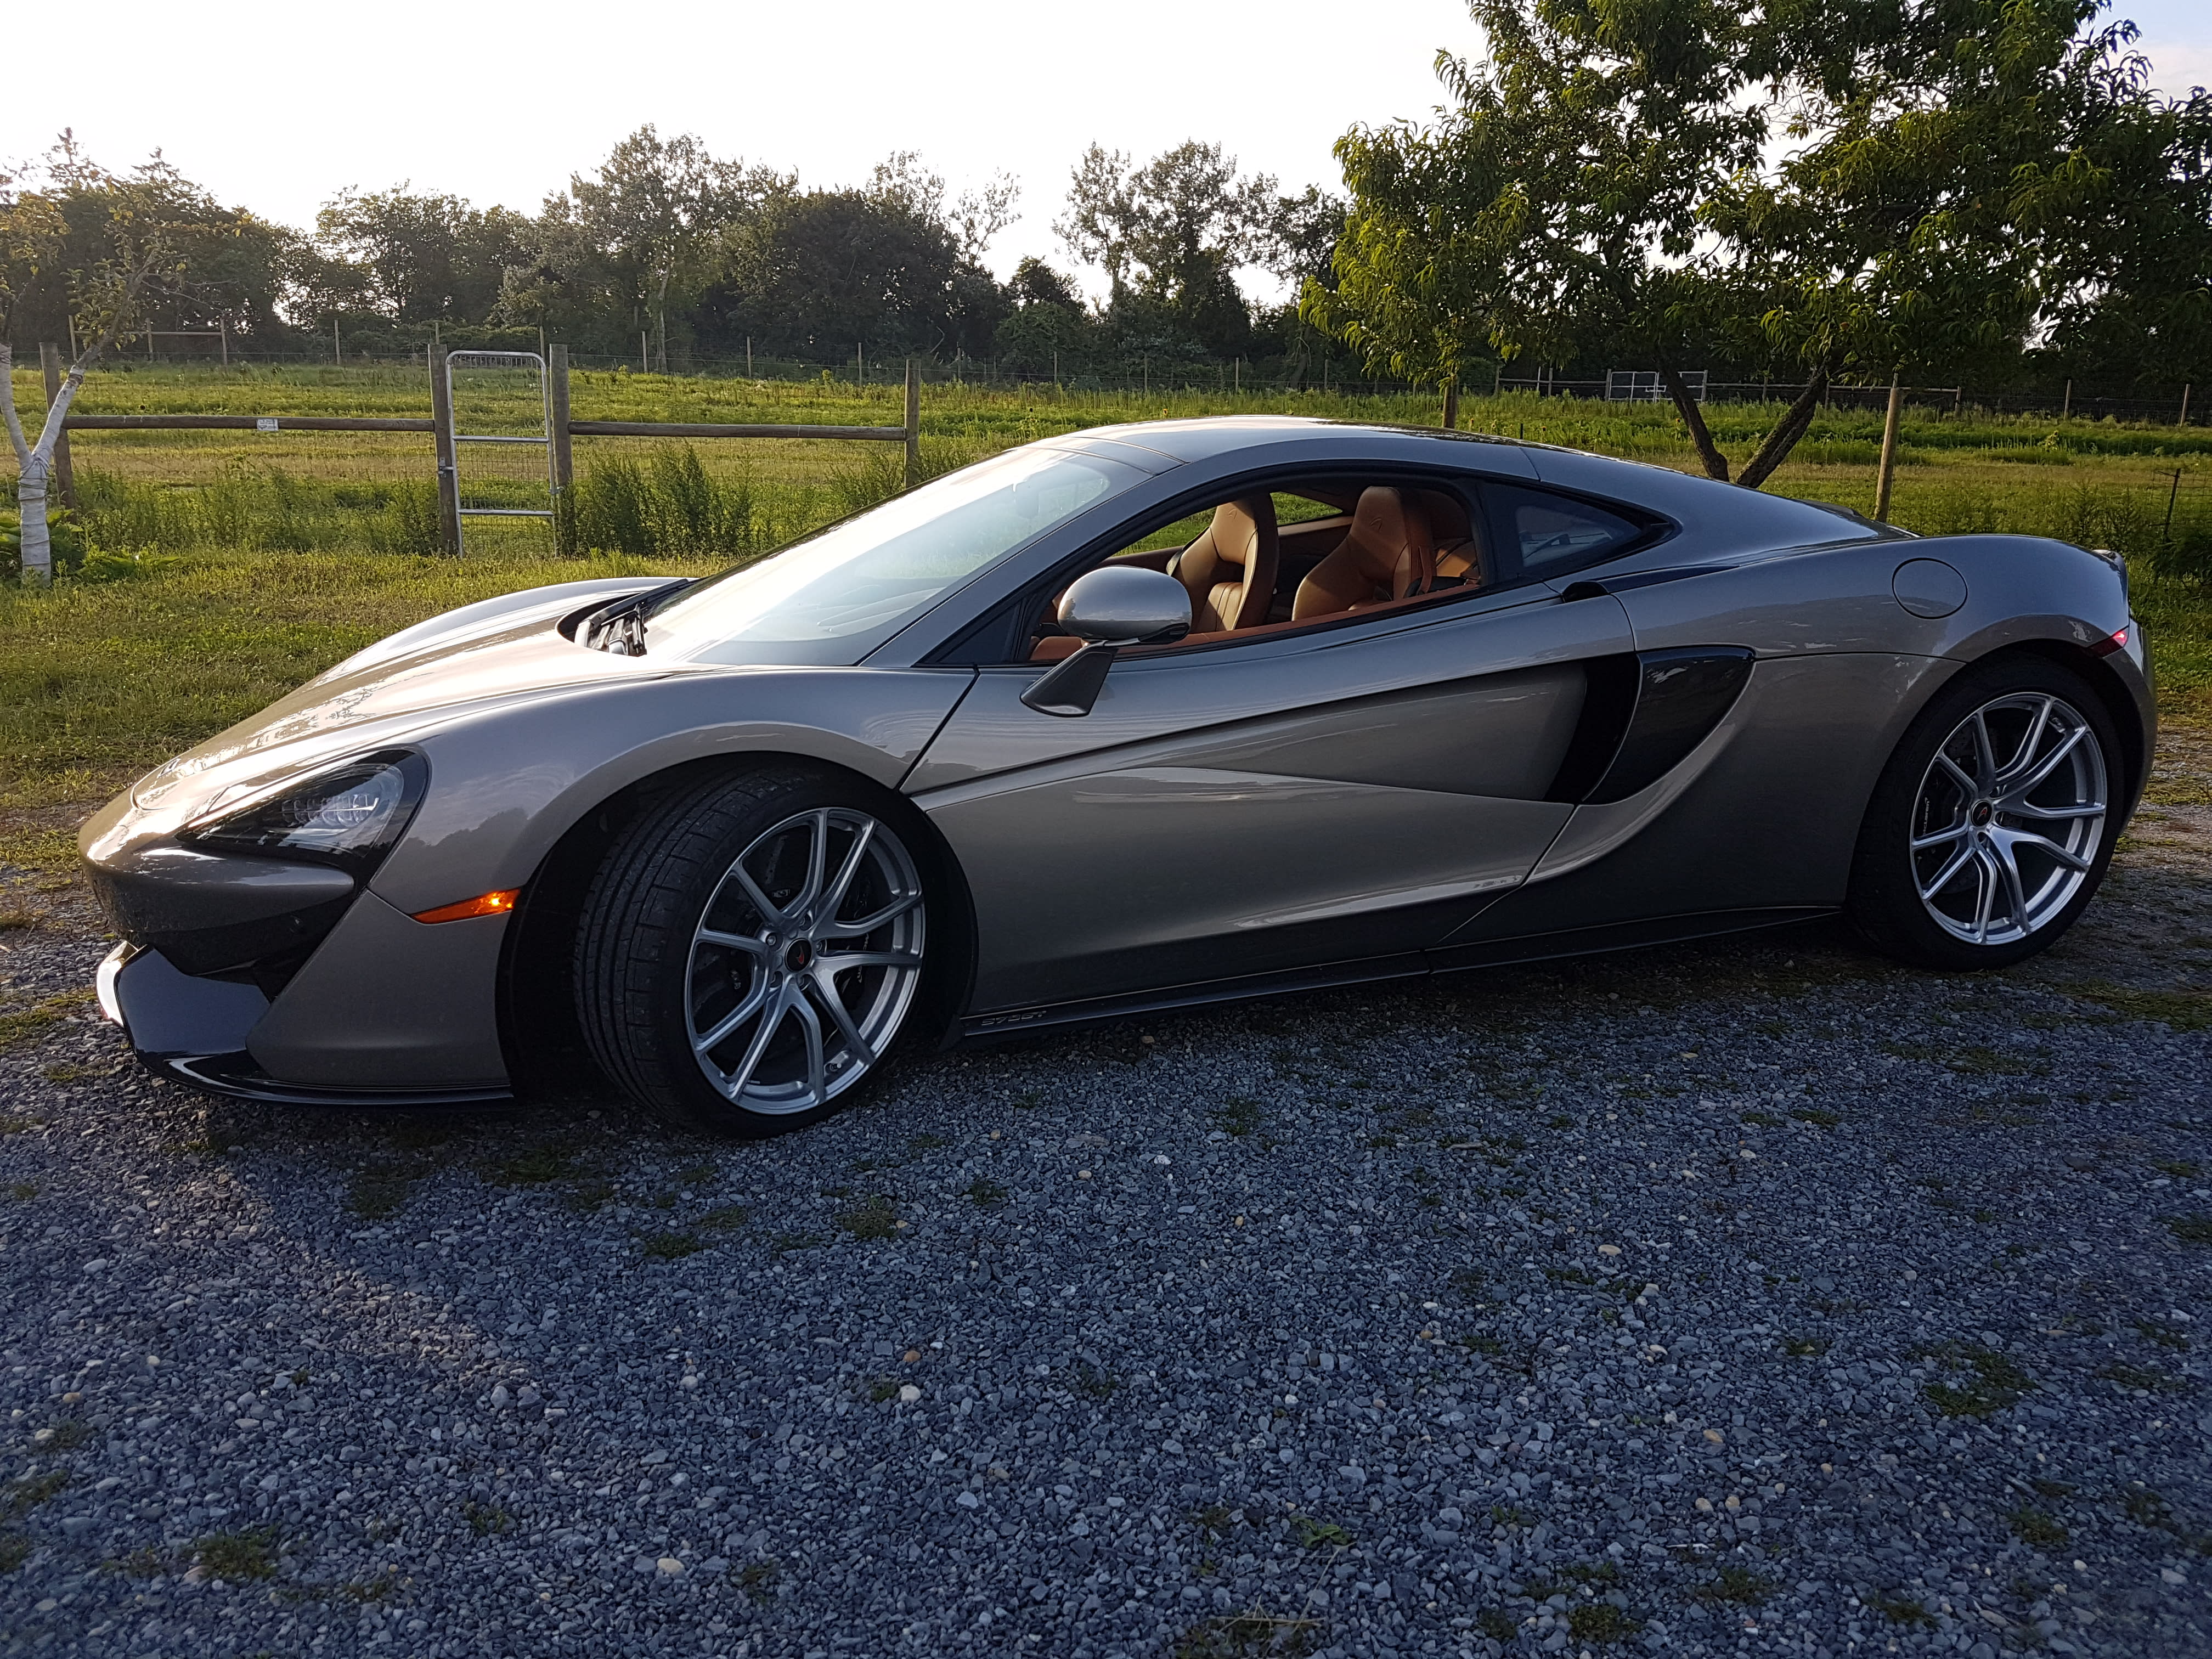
(1126, 604)
(1109, 608)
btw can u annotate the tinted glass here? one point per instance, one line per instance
(835, 596)
(1549, 533)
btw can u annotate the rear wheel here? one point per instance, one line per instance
(752, 950)
(1992, 826)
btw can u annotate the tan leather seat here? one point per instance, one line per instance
(1230, 570)
(1387, 554)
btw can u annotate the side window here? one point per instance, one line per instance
(1548, 534)
(1299, 552)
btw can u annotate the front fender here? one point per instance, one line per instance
(507, 784)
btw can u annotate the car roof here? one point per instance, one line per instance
(1750, 516)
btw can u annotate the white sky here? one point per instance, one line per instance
(276, 107)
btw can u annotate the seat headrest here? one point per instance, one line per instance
(1236, 528)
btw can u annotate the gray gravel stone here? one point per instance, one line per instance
(1755, 1297)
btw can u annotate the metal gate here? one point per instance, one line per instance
(492, 491)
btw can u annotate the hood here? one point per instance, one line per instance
(466, 661)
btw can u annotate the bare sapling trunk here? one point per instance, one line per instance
(34, 463)
(1787, 431)
(34, 466)
(1693, 417)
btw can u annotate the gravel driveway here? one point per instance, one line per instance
(1751, 1297)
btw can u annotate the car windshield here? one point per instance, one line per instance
(836, 595)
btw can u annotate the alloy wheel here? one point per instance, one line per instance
(2008, 817)
(804, 960)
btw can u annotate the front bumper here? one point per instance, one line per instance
(198, 1031)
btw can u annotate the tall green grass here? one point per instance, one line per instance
(256, 509)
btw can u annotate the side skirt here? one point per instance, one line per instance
(978, 1029)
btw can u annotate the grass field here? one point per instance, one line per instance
(273, 554)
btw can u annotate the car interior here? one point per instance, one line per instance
(1312, 551)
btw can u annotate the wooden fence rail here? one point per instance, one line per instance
(241, 423)
(560, 429)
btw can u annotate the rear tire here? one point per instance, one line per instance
(752, 950)
(1993, 823)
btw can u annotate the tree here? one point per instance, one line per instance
(822, 269)
(239, 271)
(146, 249)
(973, 218)
(414, 258)
(1892, 190)
(1559, 200)
(1169, 235)
(2136, 303)
(651, 211)
(1963, 177)
(1050, 331)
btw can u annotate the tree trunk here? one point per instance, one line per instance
(34, 462)
(30, 506)
(1787, 431)
(1693, 417)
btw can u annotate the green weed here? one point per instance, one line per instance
(2035, 1529)
(2183, 1011)
(1237, 1115)
(1899, 1610)
(1993, 1383)
(26, 1492)
(875, 1220)
(556, 1160)
(380, 1191)
(1601, 1621)
(1245, 1636)
(1315, 1534)
(237, 1556)
(1738, 1586)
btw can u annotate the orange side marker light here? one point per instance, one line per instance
(484, 904)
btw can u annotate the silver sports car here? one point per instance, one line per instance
(1144, 716)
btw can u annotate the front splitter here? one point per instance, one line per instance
(234, 1076)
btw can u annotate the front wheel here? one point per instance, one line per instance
(752, 950)
(1992, 826)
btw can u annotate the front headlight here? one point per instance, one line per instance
(350, 816)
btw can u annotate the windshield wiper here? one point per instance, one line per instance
(620, 627)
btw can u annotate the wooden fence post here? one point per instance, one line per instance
(1451, 404)
(2183, 421)
(449, 471)
(1887, 474)
(913, 424)
(564, 464)
(50, 360)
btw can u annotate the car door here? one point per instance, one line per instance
(1308, 796)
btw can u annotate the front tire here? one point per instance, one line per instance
(1993, 823)
(753, 950)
